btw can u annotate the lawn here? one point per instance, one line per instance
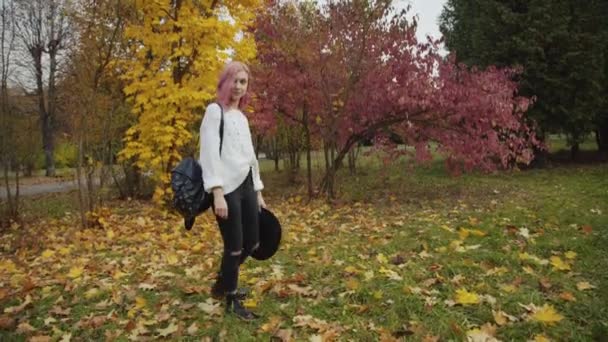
(405, 254)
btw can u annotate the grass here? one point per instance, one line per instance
(384, 262)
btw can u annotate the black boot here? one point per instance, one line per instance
(234, 306)
(189, 222)
(218, 292)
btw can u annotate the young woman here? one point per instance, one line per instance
(232, 174)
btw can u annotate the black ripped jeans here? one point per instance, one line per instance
(240, 231)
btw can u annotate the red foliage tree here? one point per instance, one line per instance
(354, 70)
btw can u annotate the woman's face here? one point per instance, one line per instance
(239, 87)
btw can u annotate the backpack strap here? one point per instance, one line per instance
(221, 128)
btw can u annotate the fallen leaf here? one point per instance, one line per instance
(541, 338)
(584, 285)
(567, 296)
(352, 284)
(466, 298)
(24, 328)
(7, 323)
(140, 302)
(192, 329)
(250, 303)
(210, 307)
(559, 264)
(147, 287)
(168, 330)
(544, 284)
(57, 310)
(500, 318)
(76, 272)
(570, 255)
(587, 229)
(40, 338)
(547, 315)
(284, 335)
(67, 337)
(19, 308)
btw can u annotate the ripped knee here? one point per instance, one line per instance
(236, 253)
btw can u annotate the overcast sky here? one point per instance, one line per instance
(428, 15)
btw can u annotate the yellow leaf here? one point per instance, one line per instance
(528, 269)
(94, 292)
(508, 288)
(198, 247)
(76, 272)
(8, 265)
(110, 234)
(378, 294)
(47, 254)
(352, 284)
(64, 250)
(250, 303)
(584, 285)
(476, 335)
(381, 258)
(570, 255)
(172, 259)
(463, 233)
(559, 264)
(541, 338)
(547, 315)
(500, 317)
(465, 298)
(351, 269)
(140, 302)
(118, 274)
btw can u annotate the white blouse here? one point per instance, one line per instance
(238, 155)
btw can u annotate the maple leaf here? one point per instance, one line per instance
(192, 329)
(546, 315)
(466, 298)
(210, 307)
(19, 308)
(76, 272)
(170, 329)
(559, 264)
(570, 255)
(541, 338)
(584, 285)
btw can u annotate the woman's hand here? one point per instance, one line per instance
(219, 203)
(261, 202)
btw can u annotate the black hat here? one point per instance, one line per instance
(270, 235)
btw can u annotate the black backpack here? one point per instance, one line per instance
(189, 196)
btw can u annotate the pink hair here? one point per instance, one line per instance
(224, 86)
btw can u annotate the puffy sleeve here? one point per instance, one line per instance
(209, 159)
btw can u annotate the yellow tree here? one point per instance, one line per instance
(176, 50)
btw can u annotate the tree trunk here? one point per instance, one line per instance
(601, 136)
(275, 153)
(574, 151)
(45, 118)
(81, 196)
(352, 162)
(308, 156)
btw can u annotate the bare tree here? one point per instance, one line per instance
(43, 29)
(7, 155)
